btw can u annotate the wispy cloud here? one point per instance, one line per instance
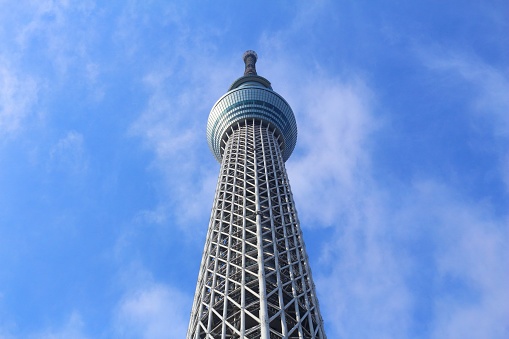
(176, 140)
(55, 43)
(488, 100)
(490, 84)
(470, 299)
(42, 42)
(150, 309)
(69, 154)
(56, 30)
(335, 123)
(172, 124)
(18, 94)
(432, 261)
(73, 328)
(153, 312)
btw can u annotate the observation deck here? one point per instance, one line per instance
(251, 98)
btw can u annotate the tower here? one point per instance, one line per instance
(254, 279)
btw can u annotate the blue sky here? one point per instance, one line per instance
(400, 173)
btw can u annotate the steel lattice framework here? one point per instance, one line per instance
(254, 280)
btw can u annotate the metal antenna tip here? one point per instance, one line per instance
(250, 58)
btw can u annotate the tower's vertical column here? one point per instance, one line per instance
(258, 156)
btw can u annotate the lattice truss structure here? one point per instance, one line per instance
(254, 280)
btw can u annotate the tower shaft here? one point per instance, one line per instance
(254, 280)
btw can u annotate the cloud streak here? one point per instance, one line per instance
(18, 94)
(69, 154)
(154, 312)
(149, 309)
(491, 84)
(73, 328)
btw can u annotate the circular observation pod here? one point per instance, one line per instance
(251, 98)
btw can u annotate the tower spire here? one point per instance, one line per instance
(250, 58)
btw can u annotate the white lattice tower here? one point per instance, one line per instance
(254, 280)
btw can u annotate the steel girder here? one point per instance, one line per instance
(254, 280)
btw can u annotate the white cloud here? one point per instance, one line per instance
(38, 34)
(73, 328)
(471, 250)
(154, 312)
(335, 119)
(490, 99)
(51, 38)
(172, 124)
(18, 94)
(432, 254)
(60, 26)
(470, 254)
(69, 154)
(366, 294)
(45, 14)
(149, 309)
(174, 137)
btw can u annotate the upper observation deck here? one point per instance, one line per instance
(249, 98)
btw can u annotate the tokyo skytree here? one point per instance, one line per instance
(254, 279)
